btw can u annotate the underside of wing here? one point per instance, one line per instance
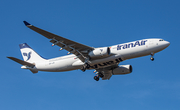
(80, 50)
(106, 73)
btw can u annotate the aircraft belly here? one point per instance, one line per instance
(102, 63)
(57, 66)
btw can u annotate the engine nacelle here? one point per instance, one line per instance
(100, 52)
(122, 69)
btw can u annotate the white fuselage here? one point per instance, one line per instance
(119, 53)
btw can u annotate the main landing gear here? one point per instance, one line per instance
(96, 78)
(85, 66)
(152, 58)
(99, 75)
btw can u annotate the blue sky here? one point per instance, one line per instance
(152, 85)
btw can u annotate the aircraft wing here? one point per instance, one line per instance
(80, 50)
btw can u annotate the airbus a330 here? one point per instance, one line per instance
(104, 60)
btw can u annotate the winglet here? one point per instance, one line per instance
(26, 23)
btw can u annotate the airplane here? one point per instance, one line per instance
(104, 60)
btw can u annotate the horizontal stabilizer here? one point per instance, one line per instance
(33, 71)
(21, 62)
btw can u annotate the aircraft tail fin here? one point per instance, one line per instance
(29, 55)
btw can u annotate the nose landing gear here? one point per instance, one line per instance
(152, 58)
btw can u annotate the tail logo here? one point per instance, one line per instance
(28, 55)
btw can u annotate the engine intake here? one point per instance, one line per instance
(122, 69)
(100, 52)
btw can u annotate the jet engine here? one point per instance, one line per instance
(122, 69)
(100, 52)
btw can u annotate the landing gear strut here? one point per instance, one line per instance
(85, 66)
(152, 58)
(99, 75)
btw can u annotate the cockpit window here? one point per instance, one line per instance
(161, 40)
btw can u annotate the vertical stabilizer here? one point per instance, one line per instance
(29, 55)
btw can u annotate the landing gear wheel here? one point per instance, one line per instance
(83, 69)
(101, 75)
(152, 54)
(96, 78)
(152, 59)
(87, 66)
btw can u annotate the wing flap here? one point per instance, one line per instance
(57, 38)
(69, 45)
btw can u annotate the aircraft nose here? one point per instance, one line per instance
(167, 43)
(163, 45)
